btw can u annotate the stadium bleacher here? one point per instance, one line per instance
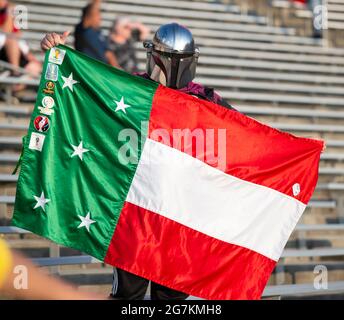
(269, 71)
(285, 10)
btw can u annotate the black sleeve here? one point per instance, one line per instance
(209, 92)
(222, 102)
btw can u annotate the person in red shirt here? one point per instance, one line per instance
(13, 49)
(9, 35)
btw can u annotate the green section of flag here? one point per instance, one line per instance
(73, 190)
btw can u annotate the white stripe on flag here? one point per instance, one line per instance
(179, 187)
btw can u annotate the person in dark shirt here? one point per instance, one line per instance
(121, 42)
(172, 58)
(89, 38)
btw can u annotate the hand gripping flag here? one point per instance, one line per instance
(167, 186)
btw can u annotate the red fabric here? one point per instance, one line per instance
(166, 252)
(169, 253)
(254, 151)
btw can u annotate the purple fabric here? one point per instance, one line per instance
(192, 88)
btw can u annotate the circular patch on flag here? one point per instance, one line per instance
(48, 102)
(41, 123)
(50, 85)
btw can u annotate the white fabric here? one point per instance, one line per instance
(179, 187)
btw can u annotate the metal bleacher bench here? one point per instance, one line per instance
(292, 112)
(335, 13)
(152, 11)
(17, 141)
(202, 33)
(8, 83)
(274, 56)
(303, 289)
(268, 75)
(17, 110)
(281, 98)
(35, 37)
(8, 178)
(172, 11)
(270, 86)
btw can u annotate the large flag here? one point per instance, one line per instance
(167, 186)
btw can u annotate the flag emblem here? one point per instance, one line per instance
(52, 72)
(57, 55)
(36, 141)
(49, 87)
(48, 102)
(41, 123)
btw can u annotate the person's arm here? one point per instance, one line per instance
(39, 285)
(96, 4)
(144, 31)
(110, 56)
(53, 39)
(7, 26)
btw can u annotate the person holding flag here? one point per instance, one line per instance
(115, 173)
(115, 178)
(171, 61)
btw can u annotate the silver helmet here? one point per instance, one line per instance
(172, 56)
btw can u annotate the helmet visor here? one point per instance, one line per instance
(172, 69)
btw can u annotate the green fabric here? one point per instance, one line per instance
(98, 183)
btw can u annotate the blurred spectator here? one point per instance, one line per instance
(89, 38)
(13, 49)
(122, 38)
(37, 282)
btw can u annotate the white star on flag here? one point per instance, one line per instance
(121, 106)
(41, 201)
(69, 82)
(86, 221)
(79, 151)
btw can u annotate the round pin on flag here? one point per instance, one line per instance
(41, 123)
(48, 102)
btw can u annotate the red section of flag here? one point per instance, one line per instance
(253, 151)
(164, 251)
